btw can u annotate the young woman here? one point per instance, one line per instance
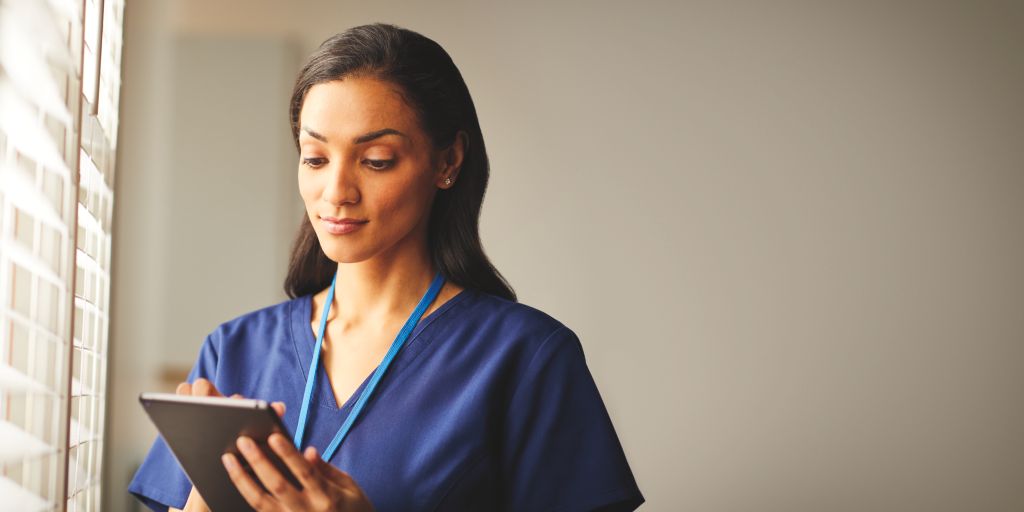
(479, 402)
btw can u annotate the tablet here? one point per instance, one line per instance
(199, 430)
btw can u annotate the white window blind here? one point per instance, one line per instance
(59, 89)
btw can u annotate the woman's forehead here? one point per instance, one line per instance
(346, 108)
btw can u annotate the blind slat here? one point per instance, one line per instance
(27, 41)
(17, 445)
(88, 263)
(13, 381)
(19, 120)
(92, 179)
(78, 477)
(79, 434)
(22, 193)
(87, 220)
(77, 389)
(24, 259)
(17, 498)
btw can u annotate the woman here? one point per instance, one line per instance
(480, 403)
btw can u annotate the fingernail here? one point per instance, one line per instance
(245, 444)
(228, 461)
(274, 442)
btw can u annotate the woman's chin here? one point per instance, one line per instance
(340, 254)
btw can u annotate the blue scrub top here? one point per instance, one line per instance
(488, 406)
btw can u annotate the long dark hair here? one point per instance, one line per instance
(432, 84)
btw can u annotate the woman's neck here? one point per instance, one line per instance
(388, 285)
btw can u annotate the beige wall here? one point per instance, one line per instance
(789, 234)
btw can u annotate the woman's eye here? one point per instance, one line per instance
(378, 165)
(313, 162)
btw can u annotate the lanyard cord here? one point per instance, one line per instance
(314, 366)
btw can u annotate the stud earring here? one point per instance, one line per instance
(447, 181)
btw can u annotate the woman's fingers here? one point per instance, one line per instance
(203, 387)
(329, 472)
(200, 387)
(255, 496)
(303, 469)
(279, 408)
(269, 475)
(342, 487)
(310, 455)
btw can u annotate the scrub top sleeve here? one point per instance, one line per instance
(160, 482)
(560, 452)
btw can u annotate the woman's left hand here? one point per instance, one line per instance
(324, 487)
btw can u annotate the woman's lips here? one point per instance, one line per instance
(337, 226)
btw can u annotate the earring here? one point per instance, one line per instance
(447, 181)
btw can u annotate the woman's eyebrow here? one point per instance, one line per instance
(360, 139)
(377, 133)
(314, 134)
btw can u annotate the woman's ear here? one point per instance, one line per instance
(451, 161)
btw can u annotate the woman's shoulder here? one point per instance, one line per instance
(500, 309)
(511, 322)
(248, 340)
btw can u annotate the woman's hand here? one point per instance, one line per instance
(324, 487)
(203, 387)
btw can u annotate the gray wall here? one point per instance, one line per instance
(789, 234)
(232, 201)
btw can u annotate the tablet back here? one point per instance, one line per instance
(199, 430)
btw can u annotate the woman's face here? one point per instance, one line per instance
(364, 158)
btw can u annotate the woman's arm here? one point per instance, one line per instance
(195, 503)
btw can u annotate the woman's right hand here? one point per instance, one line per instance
(203, 387)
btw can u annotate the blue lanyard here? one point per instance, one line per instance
(396, 345)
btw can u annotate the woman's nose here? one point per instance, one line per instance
(342, 185)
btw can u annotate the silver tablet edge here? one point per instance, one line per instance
(241, 403)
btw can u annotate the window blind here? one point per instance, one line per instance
(59, 89)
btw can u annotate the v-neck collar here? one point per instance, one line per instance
(304, 340)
